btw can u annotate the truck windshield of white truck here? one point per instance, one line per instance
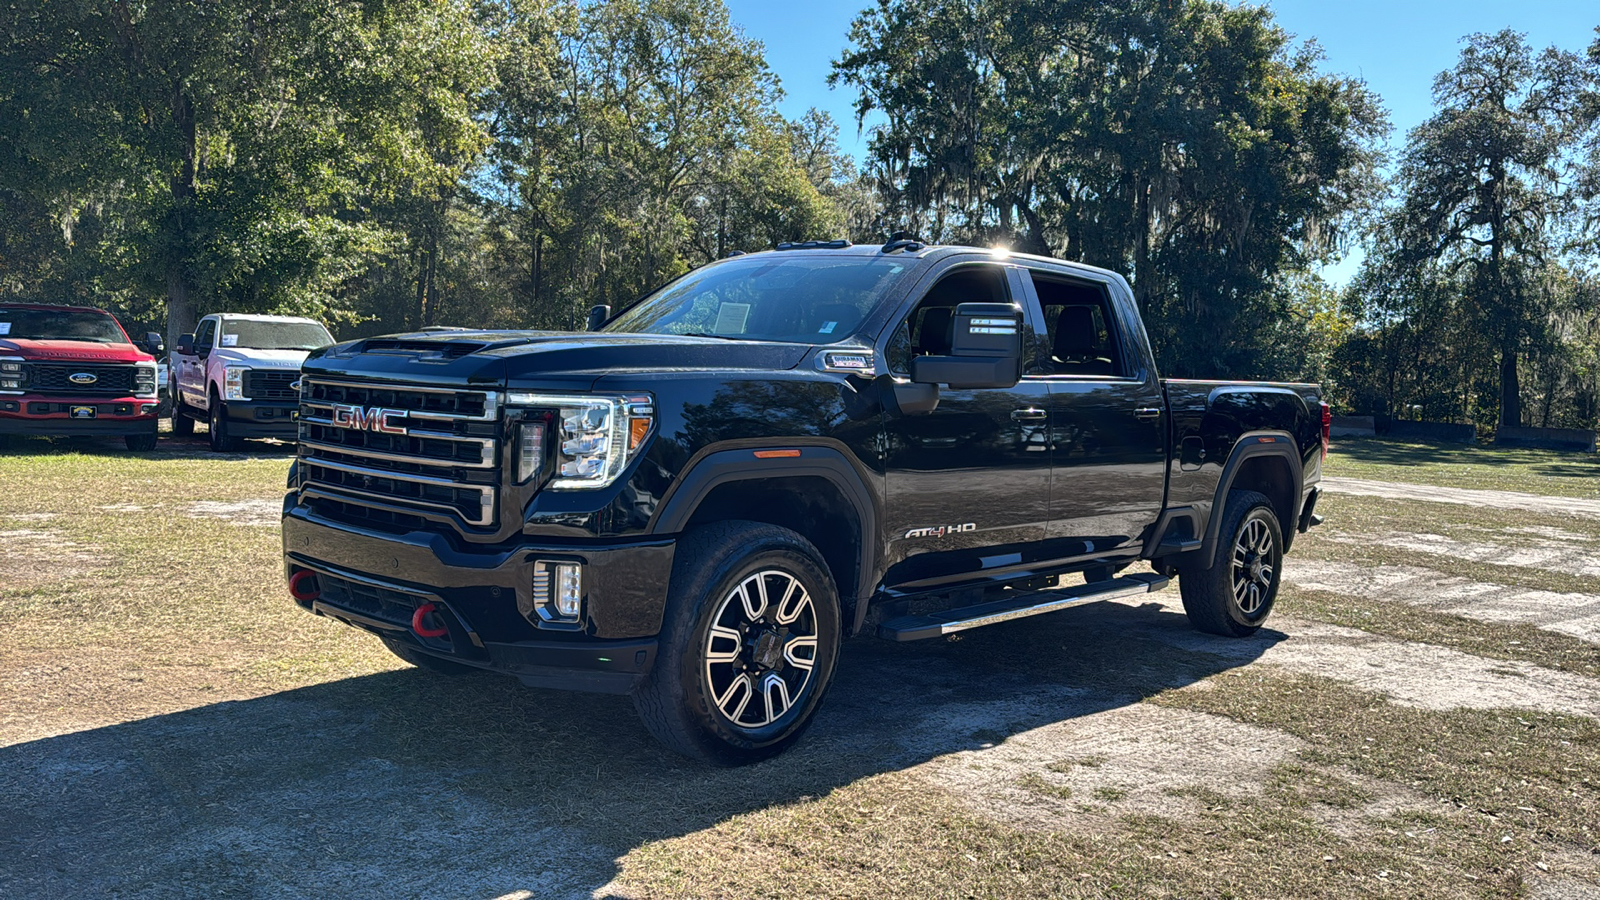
(257, 334)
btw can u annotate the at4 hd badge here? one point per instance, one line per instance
(941, 530)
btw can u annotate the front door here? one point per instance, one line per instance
(968, 485)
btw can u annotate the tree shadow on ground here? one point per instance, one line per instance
(169, 446)
(1542, 462)
(410, 784)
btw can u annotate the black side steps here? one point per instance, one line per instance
(1031, 603)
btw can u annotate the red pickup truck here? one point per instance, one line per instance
(67, 370)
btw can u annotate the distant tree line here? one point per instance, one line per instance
(393, 164)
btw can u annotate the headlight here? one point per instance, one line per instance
(596, 436)
(233, 383)
(144, 380)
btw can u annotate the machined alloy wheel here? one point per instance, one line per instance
(1253, 566)
(1234, 595)
(747, 646)
(761, 649)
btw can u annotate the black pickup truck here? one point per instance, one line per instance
(696, 501)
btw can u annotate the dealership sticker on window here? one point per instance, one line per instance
(827, 327)
(5, 327)
(731, 318)
(230, 340)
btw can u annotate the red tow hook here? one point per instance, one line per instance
(303, 586)
(423, 630)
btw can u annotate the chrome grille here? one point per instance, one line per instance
(446, 461)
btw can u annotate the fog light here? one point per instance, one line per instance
(13, 384)
(557, 594)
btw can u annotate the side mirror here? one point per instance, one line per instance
(186, 344)
(985, 349)
(598, 316)
(154, 343)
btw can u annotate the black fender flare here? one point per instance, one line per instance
(719, 467)
(1251, 445)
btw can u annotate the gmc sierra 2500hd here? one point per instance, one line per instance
(696, 502)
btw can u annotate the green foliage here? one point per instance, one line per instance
(234, 154)
(1469, 271)
(1184, 143)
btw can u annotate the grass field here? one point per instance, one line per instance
(1422, 719)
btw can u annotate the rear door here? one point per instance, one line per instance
(968, 485)
(1107, 417)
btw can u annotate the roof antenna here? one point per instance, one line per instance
(903, 240)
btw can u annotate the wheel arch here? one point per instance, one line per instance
(810, 492)
(1267, 462)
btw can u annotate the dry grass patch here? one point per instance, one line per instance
(1549, 472)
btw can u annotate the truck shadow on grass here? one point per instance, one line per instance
(411, 784)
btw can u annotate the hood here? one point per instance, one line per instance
(261, 359)
(72, 351)
(543, 360)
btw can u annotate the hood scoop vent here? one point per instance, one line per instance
(424, 348)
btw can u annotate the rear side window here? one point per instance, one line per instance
(1082, 337)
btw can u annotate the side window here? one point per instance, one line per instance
(206, 335)
(925, 331)
(1082, 335)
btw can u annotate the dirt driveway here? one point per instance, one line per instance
(1419, 721)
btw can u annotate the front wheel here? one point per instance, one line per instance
(140, 443)
(748, 646)
(1235, 595)
(218, 436)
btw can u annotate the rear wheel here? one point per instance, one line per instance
(1235, 595)
(183, 418)
(426, 660)
(218, 436)
(748, 646)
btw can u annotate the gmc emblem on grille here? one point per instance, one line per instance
(363, 418)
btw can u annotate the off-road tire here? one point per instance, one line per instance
(1209, 595)
(428, 661)
(140, 443)
(217, 427)
(676, 700)
(183, 418)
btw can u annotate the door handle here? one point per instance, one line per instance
(1147, 412)
(1030, 414)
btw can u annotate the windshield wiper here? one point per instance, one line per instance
(724, 337)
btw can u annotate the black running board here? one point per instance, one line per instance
(1031, 603)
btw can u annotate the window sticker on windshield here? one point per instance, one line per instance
(230, 340)
(827, 327)
(5, 327)
(731, 318)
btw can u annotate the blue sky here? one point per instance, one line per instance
(1396, 46)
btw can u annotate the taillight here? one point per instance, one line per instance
(1327, 427)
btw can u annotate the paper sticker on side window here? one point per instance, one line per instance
(731, 318)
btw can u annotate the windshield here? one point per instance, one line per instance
(800, 299)
(258, 335)
(60, 325)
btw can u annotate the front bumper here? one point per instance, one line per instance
(53, 415)
(263, 418)
(376, 581)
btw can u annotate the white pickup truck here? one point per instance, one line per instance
(240, 373)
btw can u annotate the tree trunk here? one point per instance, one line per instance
(1510, 392)
(181, 315)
